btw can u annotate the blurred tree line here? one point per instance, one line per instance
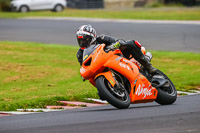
(5, 5)
(184, 2)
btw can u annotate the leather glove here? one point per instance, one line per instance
(114, 46)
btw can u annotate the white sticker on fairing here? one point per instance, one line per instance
(124, 66)
(143, 91)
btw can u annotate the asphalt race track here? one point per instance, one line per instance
(154, 36)
(181, 117)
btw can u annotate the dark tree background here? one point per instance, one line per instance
(184, 2)
(5, 5)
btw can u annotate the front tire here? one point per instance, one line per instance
(166, 95)
(120, 100)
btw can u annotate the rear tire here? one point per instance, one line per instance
(166, 96)
(102, 85)
(58, 8)
(23, 9)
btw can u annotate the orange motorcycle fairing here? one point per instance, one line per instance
(142, 91)
(108, 75)
(123, 66)
(100, 63)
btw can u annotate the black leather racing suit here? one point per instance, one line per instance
(127, 47)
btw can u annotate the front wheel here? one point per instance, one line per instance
(167, 93)
(116, 96)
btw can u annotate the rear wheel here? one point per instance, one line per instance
(58, 8)
(167, 93)
(24, 8)
(116, 96)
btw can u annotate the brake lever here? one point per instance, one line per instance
(107, 50)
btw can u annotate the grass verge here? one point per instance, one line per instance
(33, 75)
(144, 13)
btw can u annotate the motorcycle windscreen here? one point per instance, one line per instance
(88, 51)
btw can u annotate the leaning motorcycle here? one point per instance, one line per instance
(122, 82)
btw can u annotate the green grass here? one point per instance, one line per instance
(33, 75)
(144, 13)
(182, 68)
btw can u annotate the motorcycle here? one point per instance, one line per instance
(121, 81)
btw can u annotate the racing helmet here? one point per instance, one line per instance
(86, 35)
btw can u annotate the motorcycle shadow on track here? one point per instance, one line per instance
(110, 108)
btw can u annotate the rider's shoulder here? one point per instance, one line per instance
(105, 37)
(102, 36)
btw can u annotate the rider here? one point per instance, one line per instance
(86, 36)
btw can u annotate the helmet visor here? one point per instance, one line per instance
(84, 41)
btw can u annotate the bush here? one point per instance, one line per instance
(184, 2)
(5, 5)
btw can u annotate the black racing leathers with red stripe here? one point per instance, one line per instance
(130, 47)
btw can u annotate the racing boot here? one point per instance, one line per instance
(147, 65)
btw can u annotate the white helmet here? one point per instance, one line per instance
(86, 35)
